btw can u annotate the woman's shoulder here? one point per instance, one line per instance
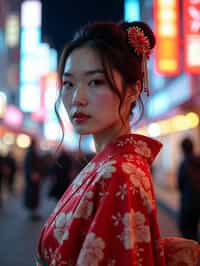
(130, 159)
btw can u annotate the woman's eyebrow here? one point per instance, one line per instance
(95, 71)
(67, 74)
(86, 73)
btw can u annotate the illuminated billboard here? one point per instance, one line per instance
(191, 39)
(131, 10)
(30, 40)
(166, 27)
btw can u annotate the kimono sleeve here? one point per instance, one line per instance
(122, 229)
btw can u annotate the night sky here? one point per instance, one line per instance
(62, 17)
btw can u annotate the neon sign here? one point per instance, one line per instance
(166, 18)
(191, 15)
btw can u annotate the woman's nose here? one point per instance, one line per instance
(79, 97)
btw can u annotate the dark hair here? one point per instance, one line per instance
(111, 42)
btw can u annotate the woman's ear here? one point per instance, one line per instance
(134, 91)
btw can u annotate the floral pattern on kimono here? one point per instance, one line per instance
(108, 215)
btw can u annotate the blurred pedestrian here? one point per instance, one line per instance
(32, 174)
(189, 186)
(9, 170)
(1, 180)
(110, 206)
(62, 171)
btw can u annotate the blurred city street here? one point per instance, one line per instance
(19, 234)
(41, 149)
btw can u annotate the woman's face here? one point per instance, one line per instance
(92, 106)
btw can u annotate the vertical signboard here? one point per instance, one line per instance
(131, 10)
(191, 22)
(29, 42)
(166, 26)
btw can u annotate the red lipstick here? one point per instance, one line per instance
(79, 117)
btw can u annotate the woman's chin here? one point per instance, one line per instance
(82, 131)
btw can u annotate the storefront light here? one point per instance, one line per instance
(179, 123)
(166, 14)
(167, 3)
(31, 14)
(8, 138)
(3, 101)
(23, 141)
(12, 31)
(171, 125)
(193, 119)
(165, 127)
(166, 18)
(154, 130)
(191, 36)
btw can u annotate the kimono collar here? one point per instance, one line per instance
(141, 145)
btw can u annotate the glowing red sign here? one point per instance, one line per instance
(166, 21)
(191, 20)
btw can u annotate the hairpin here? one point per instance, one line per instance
(141, 45)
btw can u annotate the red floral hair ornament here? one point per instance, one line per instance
(141, 45)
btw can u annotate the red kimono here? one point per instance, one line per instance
(108, 216)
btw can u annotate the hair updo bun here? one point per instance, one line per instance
(144, 27)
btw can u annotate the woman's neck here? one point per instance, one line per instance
(104, 138)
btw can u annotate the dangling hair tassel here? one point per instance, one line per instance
(145, 78)
(141, 45)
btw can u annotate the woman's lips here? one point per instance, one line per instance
(80, 118)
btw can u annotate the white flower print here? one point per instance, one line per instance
(135, 230)
(128, 233)
(106, 169)
(128, 168)
(79, 179)
(129, 157)
(117, 218)
(143, 149)
(121, 193)
(57, 261)
(120, 143)
(129, 140)
(142, 231)
(140, 257)
(85, 208)
(147, 199)
(103, 192)
(136, 175)
(89, 194)
(92, 251)
(135, 159)
(49, 255)
(63, 220)
(140, 182)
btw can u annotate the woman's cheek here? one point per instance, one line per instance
(67, 100)
(105, 97)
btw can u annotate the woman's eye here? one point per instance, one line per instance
(96, 82)
(67, 84)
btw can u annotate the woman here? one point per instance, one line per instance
(108, 215)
